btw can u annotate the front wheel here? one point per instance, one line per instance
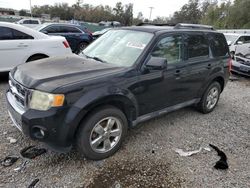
(210, 98)
(102, 133)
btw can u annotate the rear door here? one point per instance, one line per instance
(14, 47)
(198, 60)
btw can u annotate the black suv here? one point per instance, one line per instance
(125, 77)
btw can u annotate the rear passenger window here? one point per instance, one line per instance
(218, 45)
(20, 35)
(197, 46)
(5, 33)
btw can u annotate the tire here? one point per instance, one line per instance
(81, 47)
(211, 94)
(94, 133)
(36, 57)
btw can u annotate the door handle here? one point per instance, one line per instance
(209, 66)
(177, 72)
(22, 45)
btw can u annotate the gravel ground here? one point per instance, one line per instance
(147, 158)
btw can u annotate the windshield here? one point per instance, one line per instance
(231, 38)
(119, 47)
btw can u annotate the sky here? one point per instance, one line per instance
(161, 7)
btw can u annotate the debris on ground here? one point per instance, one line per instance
(12, 140)
(222, 163)
(9, 160)
(33, 183)
(233, 78)
(21, 167)
(187, 153)
(32, 152)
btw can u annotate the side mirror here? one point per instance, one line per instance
(239, 42)
(156, 63)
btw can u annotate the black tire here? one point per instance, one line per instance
(86, 132)
(203, 104)
(36, 57)
(81, 47)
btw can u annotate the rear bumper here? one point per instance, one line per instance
(240, 68)
(52, 127)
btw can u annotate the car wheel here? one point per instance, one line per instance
(81, 47)
(102, 133)
(210, 98)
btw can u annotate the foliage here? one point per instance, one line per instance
(87, 12)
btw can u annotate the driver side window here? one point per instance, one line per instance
(170, 48)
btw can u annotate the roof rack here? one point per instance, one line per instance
(155, 24)
(193, 26)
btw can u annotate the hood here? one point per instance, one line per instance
(51, 73)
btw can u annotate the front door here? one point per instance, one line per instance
(164, 88)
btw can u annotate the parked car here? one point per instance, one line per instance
(236, 39)
(127, 76)
(30, 22)
(241, 62)
(97, 34)
(78, 37)
(19, 44)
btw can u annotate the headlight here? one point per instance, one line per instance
(44, 101)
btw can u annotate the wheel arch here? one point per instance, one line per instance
(36, 54)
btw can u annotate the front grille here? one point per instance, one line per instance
(19, 92)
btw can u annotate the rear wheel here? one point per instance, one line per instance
(102, 133)
(210, 98)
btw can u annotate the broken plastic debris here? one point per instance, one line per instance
(9, 160)
(222, 163)
(12, 140)
(187, 153)
(32, 152)
(33, 183)
(21, 167)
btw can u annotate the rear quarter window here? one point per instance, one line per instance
(218, 44)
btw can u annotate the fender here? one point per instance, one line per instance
(94, 98)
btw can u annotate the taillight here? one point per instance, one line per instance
(230, 64)
(66, 44)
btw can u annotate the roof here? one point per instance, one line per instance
(237, 34)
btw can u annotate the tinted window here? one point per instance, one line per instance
(26, 22)
(197, 46)
(218, 45)
(52, 29)
(34, 22)
(12, 34)
(170, 48)
(5, 33)
(244, 39)
(66, 29)
(20, 35)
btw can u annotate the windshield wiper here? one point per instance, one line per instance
(97, 59)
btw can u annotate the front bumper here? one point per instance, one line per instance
(240, 68)
(57, 131)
